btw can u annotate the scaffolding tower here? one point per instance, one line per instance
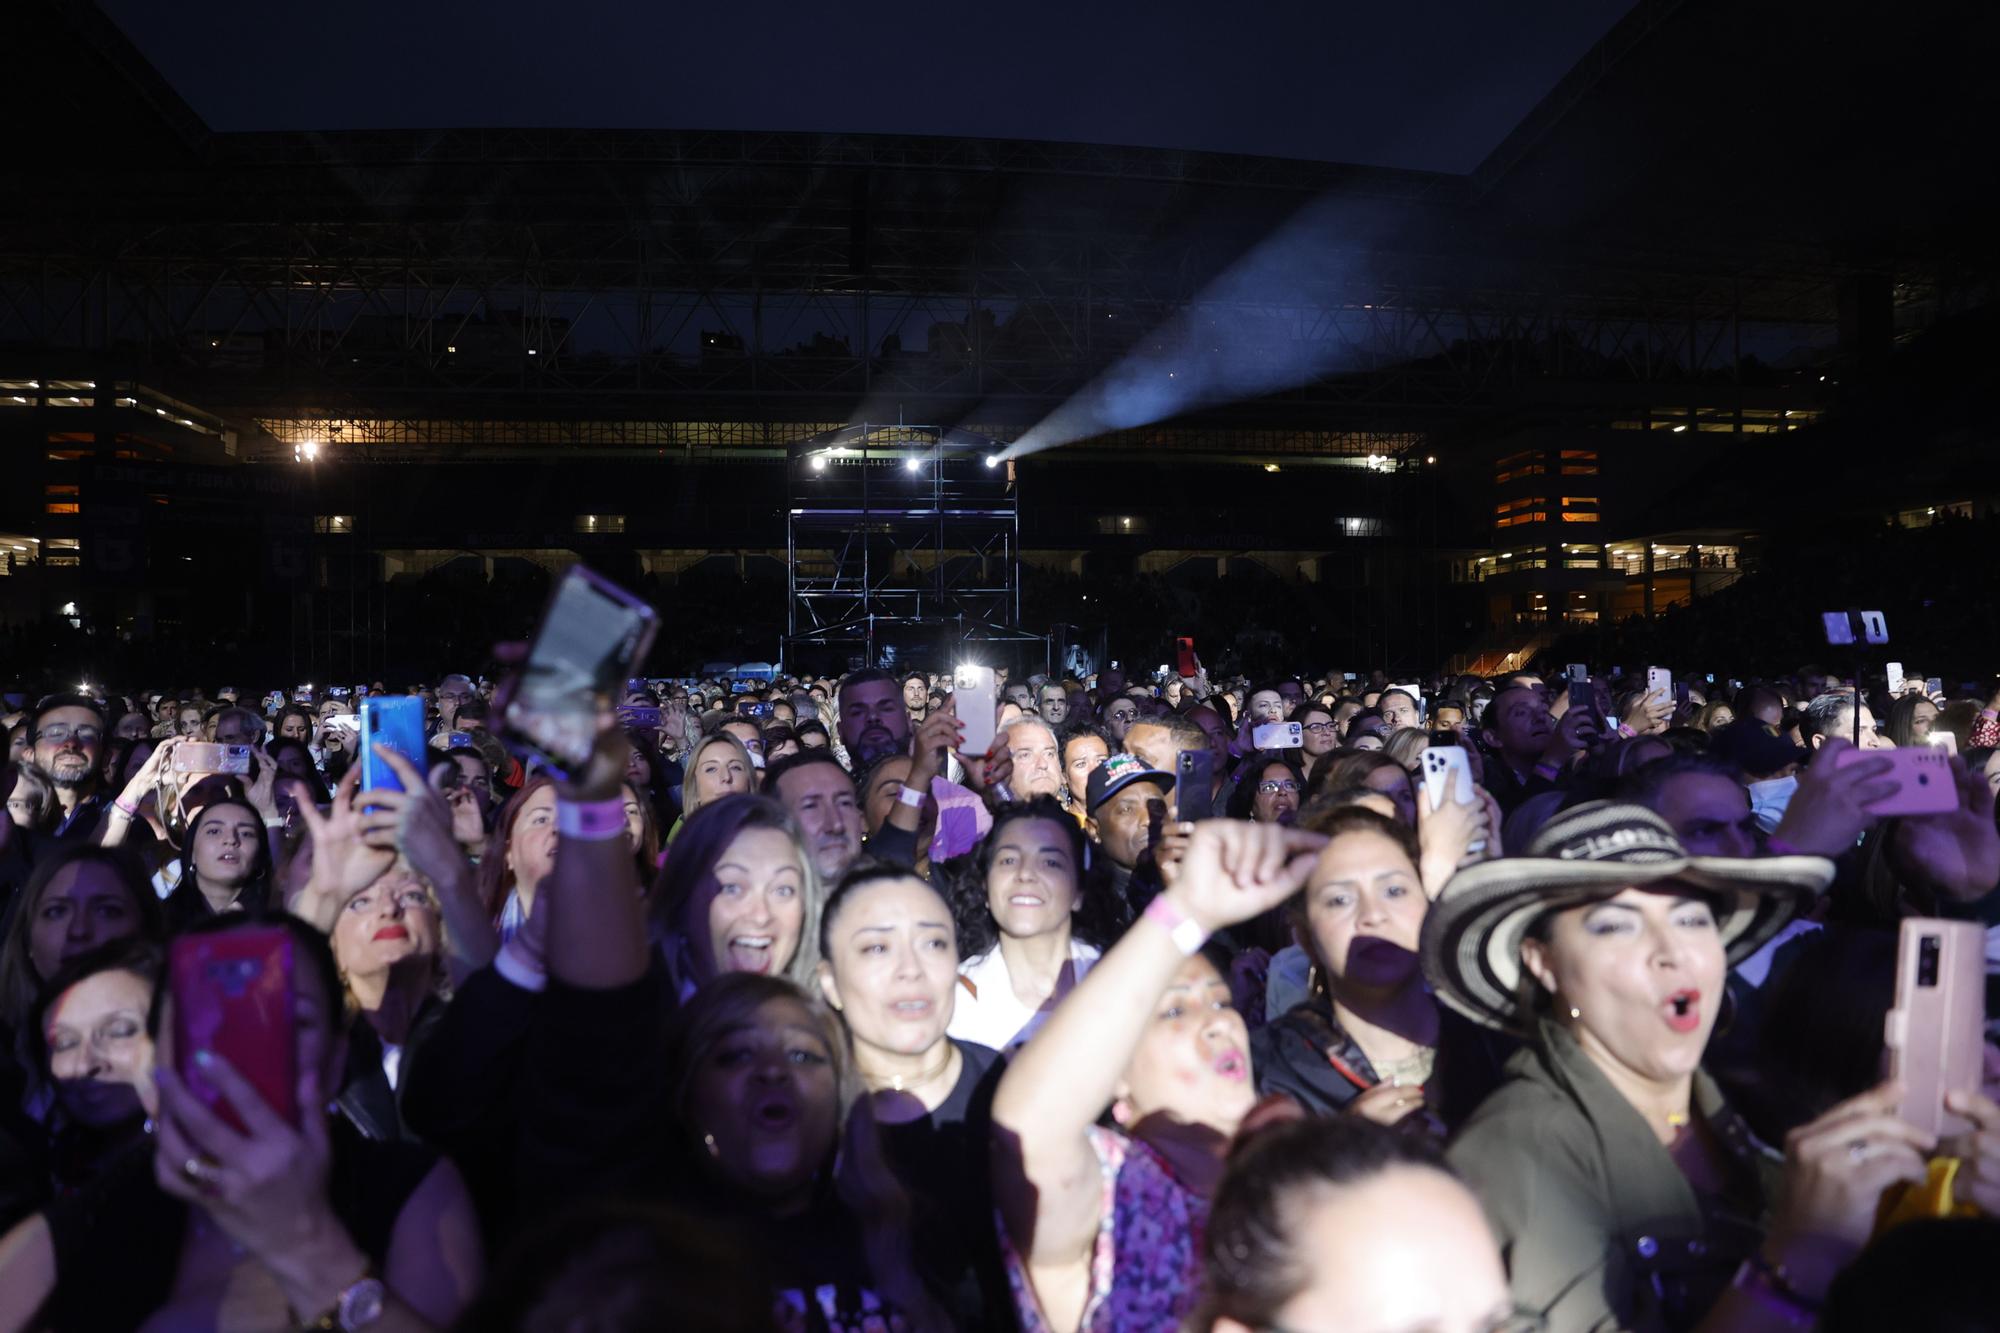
(904, 542)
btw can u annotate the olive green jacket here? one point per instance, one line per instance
(1600, 1228)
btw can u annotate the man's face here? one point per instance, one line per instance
(1119, 717)
(236, 728)
(1154, 744)
(68, 742)
(1021, 695)
(1710, 814)
(873, 721)
(1870, 738)
(753, 739)
(1055, 705)
(1519, 721)
(1267, 706)
(821, 798)
(916, 696)
(1122, 825)
(1292, 692)
(1037, 764)
(1449, 717)
(1213, 727)
(1399, 711)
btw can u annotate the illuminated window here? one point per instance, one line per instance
(333, 523)
(59, 490)
(600, 522)
(62, 508)
(1579, 518)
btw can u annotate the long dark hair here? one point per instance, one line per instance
(1243, 791)
(1099, 917)
(18, 979)
(187, 903)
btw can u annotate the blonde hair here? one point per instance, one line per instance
(690, 796)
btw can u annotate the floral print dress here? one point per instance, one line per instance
(1145, 1268)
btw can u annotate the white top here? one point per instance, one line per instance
(996, 1017)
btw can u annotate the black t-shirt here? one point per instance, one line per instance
(942, 1161)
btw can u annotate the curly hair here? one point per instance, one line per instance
(1099, 917)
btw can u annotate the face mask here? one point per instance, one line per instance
(1769, 798)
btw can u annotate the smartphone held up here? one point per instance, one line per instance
(592, 638)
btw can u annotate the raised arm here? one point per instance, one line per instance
(1046, 1175)
(597, 926)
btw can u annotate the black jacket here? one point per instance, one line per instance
(1305, 1054)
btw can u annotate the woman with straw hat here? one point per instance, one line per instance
(1625, 1192)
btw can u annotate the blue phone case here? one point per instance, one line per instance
(396, 721)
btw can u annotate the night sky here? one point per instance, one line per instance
(1424, 85)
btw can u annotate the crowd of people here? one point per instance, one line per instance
(789, 1010)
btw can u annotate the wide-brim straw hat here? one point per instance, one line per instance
(1472, 934)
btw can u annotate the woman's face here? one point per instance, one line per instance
(23, 807)
(721, 771)
(1365, 907)
(293, 762)
(1080, 759)
(753, 904)
(1992, 771)
(190, 721)
(296, 726)
(1394, 783)
(1316, 730)
(1720, 718)
(1031, 883)
(1921, 719)
(1408, 1248)
(224, 844)
(1193, 1061)
(1267, 706)
(531, 843)
(765, 1095)
(1644, 970)
(892, 969)
(812, 740)
(391, 920)
(133, 726)
(1364, 740)
(635, 817)
(99, 1053)
(1277, 798)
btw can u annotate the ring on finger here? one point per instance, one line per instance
(201, 1171)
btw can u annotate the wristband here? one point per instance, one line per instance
(129, 811)
(1185, 931)
(591, 821)
(910, 796)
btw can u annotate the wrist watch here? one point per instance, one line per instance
(358, 1306)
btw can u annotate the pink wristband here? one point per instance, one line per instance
(1186, 933)
(591, 821)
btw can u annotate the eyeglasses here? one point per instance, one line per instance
(1121, 715)
(58, 732)
(1318, 728)
(1273, 788)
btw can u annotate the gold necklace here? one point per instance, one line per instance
(897, 1083)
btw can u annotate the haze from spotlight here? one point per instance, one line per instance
(1256, 329)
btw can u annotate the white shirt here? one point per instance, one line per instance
(996, 1017)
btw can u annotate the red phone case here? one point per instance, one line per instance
(1184, 651)
(233, 995)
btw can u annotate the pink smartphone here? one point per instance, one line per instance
(1922, 774)
(233, 995)
(1936, 1031)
